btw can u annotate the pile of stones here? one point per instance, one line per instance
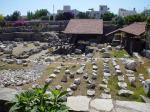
(52, 76)
(123, 91)
(21, 76)
(130, 64)
(77, 81)
(27, 53)
(91, 84)
(52, 38)
(105, 51)
(104, 85)
(7, 47)
(23, 62)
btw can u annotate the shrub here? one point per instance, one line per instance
(40, 99)
(44, 18)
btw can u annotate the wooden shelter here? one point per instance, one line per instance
(131, 37)
(85, 29)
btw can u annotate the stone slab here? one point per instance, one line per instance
(7, 94)
(101, 105)
(78, 103)
(135, 106)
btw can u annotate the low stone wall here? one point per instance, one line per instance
(22, 36)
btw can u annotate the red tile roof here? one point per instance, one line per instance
(84, 26)
(136, 29)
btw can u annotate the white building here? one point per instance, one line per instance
(124, 12)
(97, 14)
(103, 9)
(59, 11)
(67, 8)
(94, 14)
(75, 12)
(147, 12)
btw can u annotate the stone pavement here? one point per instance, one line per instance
(7, 94)
(85, 104)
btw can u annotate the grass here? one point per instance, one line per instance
(142, 68)
(138, 90)
(113, 81)
(119, 53)
(112, 84)
(5, 66)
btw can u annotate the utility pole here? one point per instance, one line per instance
(53, 13)
(48, 14)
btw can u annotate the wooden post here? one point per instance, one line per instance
(131, 46)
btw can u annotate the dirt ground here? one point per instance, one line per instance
(74, 63)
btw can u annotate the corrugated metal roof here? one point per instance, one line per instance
(84, 26)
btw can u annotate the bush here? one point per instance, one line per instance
(40, 99)
(44, 18)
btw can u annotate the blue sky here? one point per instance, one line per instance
(8, 6)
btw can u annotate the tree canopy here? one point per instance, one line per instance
(108, 16)
(65, 16)
(14, 17)
(148, 20)
(1, 18)
(119, 21)
(83, 15)
(135, 18)
(38, 14)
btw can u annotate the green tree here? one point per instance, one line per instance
(108, 16)
(148, 20)
(83, 15)
(119, 21)
(2, 22)
(30, 15)
(40, 13)
(135, 18)
(64, 16)
(8, 18)
(15, 16)
(1, 18)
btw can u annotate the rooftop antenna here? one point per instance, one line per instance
(53, 13)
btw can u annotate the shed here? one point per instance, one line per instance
(84, 29)
(131, 36)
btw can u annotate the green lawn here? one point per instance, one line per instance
(119, 53)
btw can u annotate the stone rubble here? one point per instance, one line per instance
(21, 76)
